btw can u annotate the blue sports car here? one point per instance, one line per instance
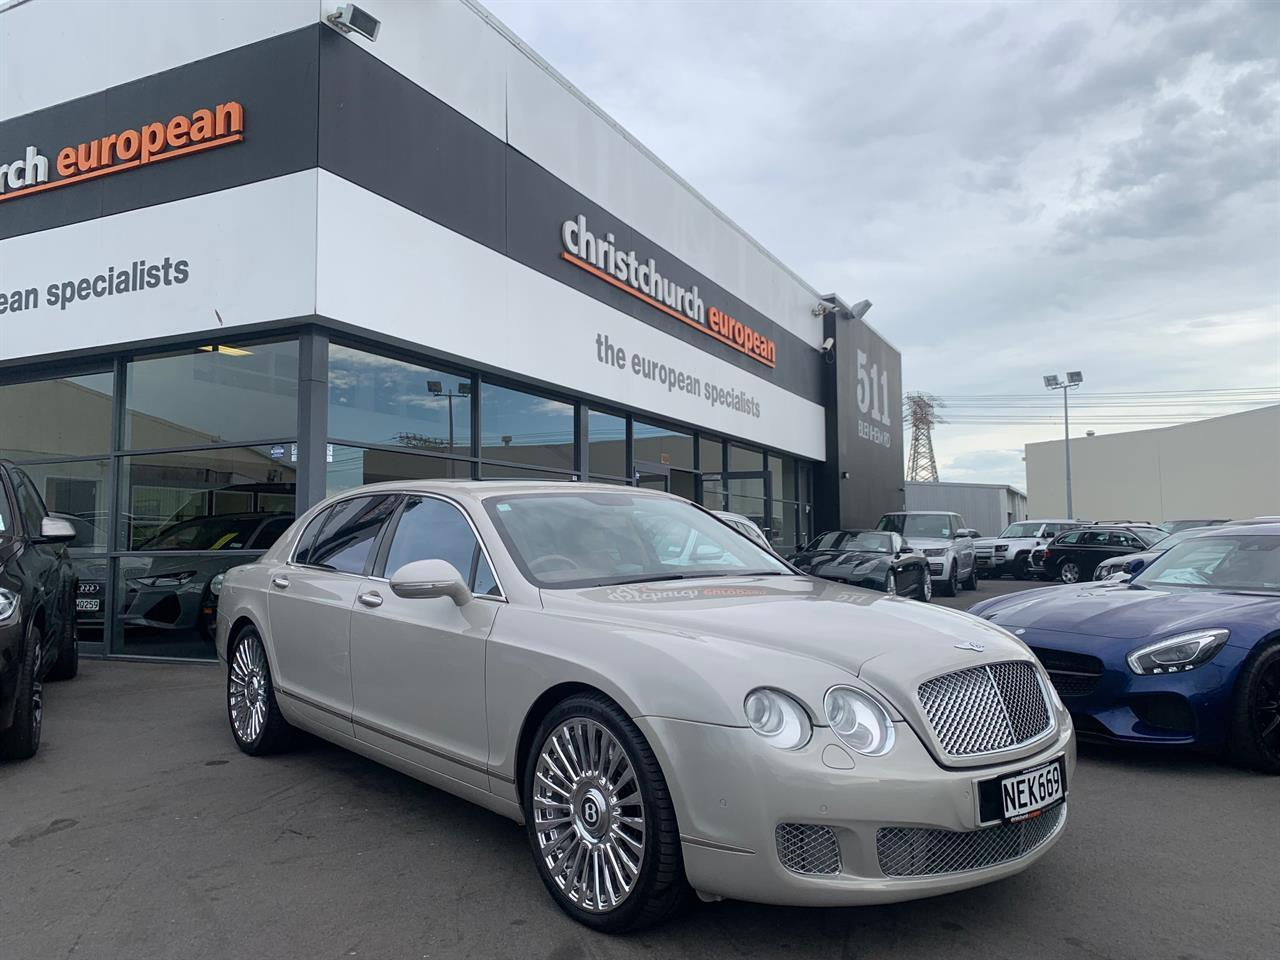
(1187, 653)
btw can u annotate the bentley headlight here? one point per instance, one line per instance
(8, 603)
(1177, 654)
(777, 718)
(859, 721)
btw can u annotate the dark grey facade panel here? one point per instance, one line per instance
(386, 134)
(275, 80)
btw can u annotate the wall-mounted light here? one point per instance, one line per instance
(352, 19)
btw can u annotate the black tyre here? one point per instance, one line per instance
(971, 582)
(68, 663)
(926, 586)
(22, 739)
(256, 722)
(952, 585)
(1254, 737)
(1019, 568)
(600, 819)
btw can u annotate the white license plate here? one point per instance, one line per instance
(1025, 794)
(91, 606)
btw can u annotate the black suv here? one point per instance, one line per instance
(37, 610)
(1073, 556)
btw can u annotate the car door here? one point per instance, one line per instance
(417, 665)
(309, 607)
(47, 564)
(966, 552)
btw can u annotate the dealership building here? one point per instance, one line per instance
(248, 259)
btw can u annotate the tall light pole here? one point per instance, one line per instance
(1053, 382)
(436, 389)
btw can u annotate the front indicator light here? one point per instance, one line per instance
(859, 721)
(778, 718)
(1177, 654)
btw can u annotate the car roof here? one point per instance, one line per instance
(484, 489)
(1268, 528)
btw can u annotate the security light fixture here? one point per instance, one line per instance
(827, 344)
(1074, 377)
(352, 19)
(1051, 381)
(859, 309)
(435, 386)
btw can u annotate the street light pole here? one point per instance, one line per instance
(1053, 382)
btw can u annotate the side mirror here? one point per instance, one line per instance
(1133, 566)
(56, 530)
(427, 579)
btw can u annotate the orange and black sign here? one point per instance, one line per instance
(179, 136)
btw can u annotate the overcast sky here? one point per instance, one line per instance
(1020, 188)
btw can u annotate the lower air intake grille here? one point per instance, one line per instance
(922, 852)
(807, 848)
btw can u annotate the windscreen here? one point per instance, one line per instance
(1027, 529)
(574, 540)
(934, 526)
(868, 542)
(1241, 562)
(205, 533)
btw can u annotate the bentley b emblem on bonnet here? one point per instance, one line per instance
(970, 645)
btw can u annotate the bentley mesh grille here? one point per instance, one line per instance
(925, 852)
(985, 709)
(807, 848)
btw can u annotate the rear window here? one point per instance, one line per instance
(352, 526)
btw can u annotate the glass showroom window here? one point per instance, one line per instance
(185, 518)
(215, 393)
(525, 429)
(606, 446)
(66, 422)
(375, 400)
(350, 467)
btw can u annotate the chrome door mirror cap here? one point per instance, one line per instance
(56, 530)
(427, 579)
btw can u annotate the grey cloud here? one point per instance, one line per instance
(1065, 44)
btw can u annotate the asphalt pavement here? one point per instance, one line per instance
(141, 832)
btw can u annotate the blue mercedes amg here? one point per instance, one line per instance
(1186, 653)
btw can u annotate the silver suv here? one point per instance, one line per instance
(945, 540)
(1011, 551)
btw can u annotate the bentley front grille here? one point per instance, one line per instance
(927, 852)
(986, 709)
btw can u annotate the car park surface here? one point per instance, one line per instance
(143, 832)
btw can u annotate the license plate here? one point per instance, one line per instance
(89, 606)
(1023, 795)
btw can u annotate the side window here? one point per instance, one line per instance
(348, 534)
(29, 503)
(302, 554)
(1070, 538)
(431, 529)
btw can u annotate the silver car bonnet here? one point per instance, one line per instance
(892, 643)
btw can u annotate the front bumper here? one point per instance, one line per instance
(732, 791)
(1108, 701)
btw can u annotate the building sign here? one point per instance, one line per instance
(152, 142)
(642, 279)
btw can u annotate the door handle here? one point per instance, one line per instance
(281, 582)
(370, 599)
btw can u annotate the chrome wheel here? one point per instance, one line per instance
(247, 689)
(891, 584)
(928, 586)
(1069, 573)
(588, 815)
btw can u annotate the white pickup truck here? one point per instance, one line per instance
(1011, 551)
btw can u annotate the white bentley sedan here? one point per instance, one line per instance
(667, 707)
